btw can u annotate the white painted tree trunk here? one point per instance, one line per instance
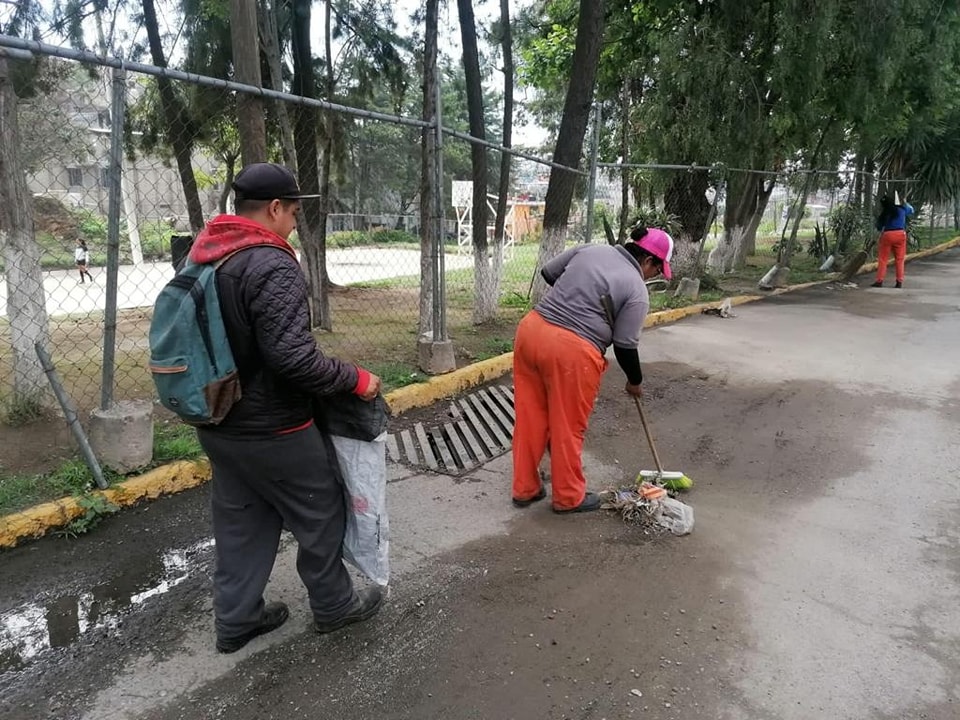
(487, 288)
(26, 301)
(551, 245)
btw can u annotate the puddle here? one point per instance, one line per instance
(59, 621)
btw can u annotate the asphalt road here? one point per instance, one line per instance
(822, 579)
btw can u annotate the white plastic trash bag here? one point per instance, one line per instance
(366, 543)
(675, 516)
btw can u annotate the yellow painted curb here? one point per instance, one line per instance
(39, 519)
(443, 386)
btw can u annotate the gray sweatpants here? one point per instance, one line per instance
(259, 486)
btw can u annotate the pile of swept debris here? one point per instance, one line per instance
(649, 506)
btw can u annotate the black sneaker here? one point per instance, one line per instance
(898, 285)
(878, 283)
(530, 501)
(274, 615)
(366, 604)
(591, 502)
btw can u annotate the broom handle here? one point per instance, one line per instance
(646, 430)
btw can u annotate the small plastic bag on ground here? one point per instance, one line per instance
(675, 516)
(366, 542)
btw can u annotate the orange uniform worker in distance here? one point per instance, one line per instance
(558, 358)
(892, 223)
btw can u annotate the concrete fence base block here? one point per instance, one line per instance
(122, 435)
(436, 357)
(688, 288)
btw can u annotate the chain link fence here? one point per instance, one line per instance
(73, 133)
(725, 219)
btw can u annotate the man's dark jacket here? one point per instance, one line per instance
(263, 298)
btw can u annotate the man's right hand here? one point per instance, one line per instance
(635, 390)
(373, 388)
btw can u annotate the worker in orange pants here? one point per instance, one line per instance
(556, 375)
(892, 221)
(598, 298)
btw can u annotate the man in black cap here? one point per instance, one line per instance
(271, 467)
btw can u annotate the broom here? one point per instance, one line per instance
(671, 480)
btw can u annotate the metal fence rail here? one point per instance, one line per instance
(102, 178)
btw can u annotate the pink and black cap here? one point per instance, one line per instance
(658, 243)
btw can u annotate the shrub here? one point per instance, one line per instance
(383, 236)
(655, 217)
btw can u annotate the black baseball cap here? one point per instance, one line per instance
(267, 181)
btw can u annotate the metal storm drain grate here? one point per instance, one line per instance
(480, 428)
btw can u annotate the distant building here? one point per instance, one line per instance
(72, 155)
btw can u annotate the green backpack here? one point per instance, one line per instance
(190, 357)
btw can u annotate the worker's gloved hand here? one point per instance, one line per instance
(635, 390)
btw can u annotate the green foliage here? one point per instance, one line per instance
(516, 300)
(175, 441)
(656, 217)
(381, 236)
(20, 410)
(91, 226)
(819, 246)
(171, 441)
(95, 508)
(394, 375)
(851, 227)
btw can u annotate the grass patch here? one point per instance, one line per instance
(171, 441)
(394, 375)
(666, 301)
(20, 411)
(174, 441)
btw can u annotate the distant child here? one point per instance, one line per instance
(892, 223)
(82, 256)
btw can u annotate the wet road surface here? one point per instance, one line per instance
(822, 579)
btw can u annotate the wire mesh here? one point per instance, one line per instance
(176, 175)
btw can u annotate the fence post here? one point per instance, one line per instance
(439, 279)
(594, 151)
(435, 353)
(114, 210)
(70, 414)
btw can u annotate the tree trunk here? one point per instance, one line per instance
(786, 251)
(179, 132)
(573, 126)
(749, 244)
(246, 70)
(685, 197)
(624, 159)
(26, 300)
(747, 199)
(270, 40)
(305, 141)
(330, 128)
(485, 301)
(503, 190)
(429, 211)
(230, 163)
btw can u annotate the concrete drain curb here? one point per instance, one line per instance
(480, 429)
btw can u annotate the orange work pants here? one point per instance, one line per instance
(556, 376)
(895, 240)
